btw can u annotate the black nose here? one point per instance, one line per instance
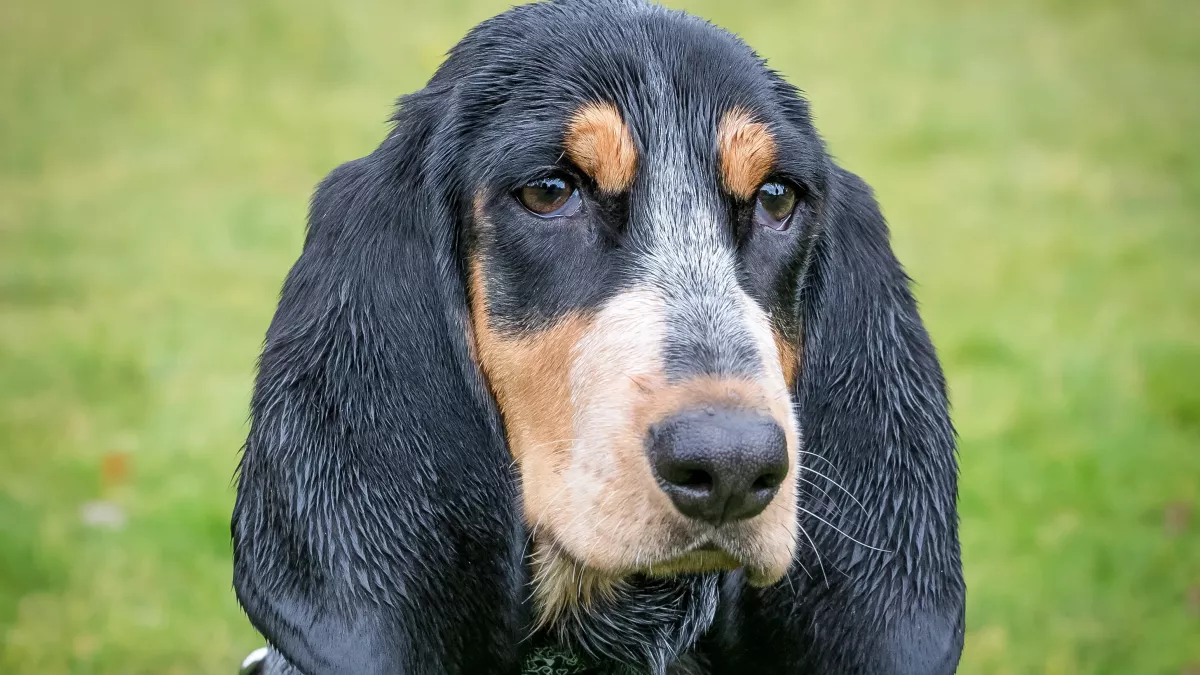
(719, 465)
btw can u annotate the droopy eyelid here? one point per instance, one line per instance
(804, 183)
(548, 171)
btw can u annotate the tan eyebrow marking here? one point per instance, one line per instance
(599, 142)
(747, 152)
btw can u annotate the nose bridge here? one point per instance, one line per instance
(689, 258)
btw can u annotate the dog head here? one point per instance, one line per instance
(579, 253)
(643, 193)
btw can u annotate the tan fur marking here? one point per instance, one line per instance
(528, 376)
(789, 360)
(747, 152)
(599, 142)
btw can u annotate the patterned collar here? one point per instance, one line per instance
(554, 661)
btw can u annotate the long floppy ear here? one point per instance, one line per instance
(377, 526)
(877, 588)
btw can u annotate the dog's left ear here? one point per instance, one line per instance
(377, 527)
(877, 586)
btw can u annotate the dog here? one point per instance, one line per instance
(599, 355)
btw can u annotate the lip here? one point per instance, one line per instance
(704, 555)
(701, 558)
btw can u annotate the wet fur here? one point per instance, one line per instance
(378, 526)
(645, 626)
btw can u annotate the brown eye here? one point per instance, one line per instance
(776, 202)
(550, 197)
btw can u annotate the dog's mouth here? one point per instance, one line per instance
(715, 554)
(705, 554)
(572, 574)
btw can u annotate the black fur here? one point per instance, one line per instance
(378, 527)
(646, 628)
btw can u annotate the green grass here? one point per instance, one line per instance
(1039, 162)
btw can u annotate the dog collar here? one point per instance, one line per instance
(554, 661)
(543, 661)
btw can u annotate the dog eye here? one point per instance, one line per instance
(550, 197)
(776, 202)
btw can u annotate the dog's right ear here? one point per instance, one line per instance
(377, 527)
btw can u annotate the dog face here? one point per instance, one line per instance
(643, 197)
(580, 259)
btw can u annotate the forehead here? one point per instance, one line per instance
(672, 77)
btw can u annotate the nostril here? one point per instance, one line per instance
(696, 479)
(768, 481)
(688, 477)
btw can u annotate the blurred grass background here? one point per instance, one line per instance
(1039, 163)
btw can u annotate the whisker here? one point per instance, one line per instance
(820, 564)
(640, 385)
(823, 459)
(835, 529)
(823, 491)
(791, 585)
(827, 509)
(836, 485)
